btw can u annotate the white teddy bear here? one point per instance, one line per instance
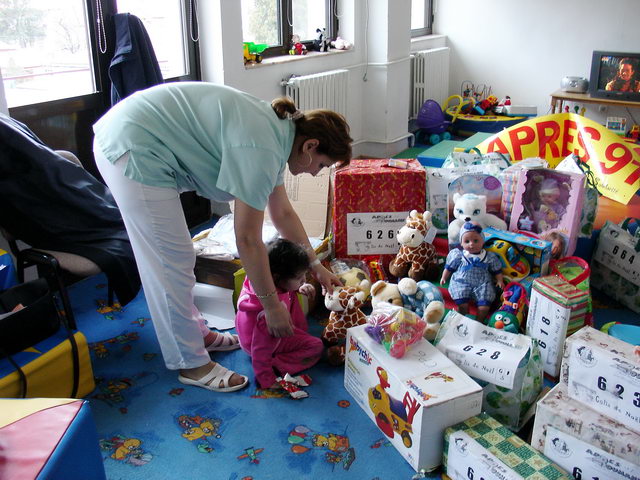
(470, 207)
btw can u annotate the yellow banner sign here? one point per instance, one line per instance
(615, 161)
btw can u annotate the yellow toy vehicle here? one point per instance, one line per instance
(253, 52)
(392, 415)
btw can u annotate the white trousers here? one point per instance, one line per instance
(164, 253)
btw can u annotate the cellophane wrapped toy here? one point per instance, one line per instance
(395, 328)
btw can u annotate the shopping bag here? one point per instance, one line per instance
(615, 264)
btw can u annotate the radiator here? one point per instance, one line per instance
(429, 78)
(320, 90)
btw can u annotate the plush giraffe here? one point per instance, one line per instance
(416, 258)
(344, 303)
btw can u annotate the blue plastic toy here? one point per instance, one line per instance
(621, 331)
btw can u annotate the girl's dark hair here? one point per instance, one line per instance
(328, 127)
(286, 259)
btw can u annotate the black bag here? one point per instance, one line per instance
(38, 320)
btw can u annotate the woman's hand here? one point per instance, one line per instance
(278, 320)
(325, 277)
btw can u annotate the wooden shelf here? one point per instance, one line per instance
(559, 97)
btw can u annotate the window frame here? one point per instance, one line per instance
(285, 31)
(101, 98)
(428, 21)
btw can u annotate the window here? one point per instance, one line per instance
(421, 17)
(47, 52)
(44, 50)
(273, 22)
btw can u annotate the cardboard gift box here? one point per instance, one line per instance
(483, 448)
(580, 439)
(506, 365)
(603, 373)
(535, 251)
(556, 309)
(49, 438)
(370, 202)
(411, 399)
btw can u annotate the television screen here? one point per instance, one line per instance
(615, 75)
(619, 74)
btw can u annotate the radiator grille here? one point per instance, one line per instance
(320, 90)
(429, 77)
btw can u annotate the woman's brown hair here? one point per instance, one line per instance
(328, 127)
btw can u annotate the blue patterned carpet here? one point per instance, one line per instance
(153, 427)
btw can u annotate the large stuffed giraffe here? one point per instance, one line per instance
(417, 257)
(344, 303)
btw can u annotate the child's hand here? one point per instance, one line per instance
(308, 290)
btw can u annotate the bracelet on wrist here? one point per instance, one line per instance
(315, 262)
(266, 295)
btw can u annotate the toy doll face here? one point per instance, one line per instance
(549, 197)
(472, 242)
(292, 284)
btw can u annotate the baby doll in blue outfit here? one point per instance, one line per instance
(473, 271)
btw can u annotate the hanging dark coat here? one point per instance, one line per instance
(51, 203)
(134, 65)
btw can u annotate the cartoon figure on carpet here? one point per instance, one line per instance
(127, 450)
(338, 446)
(119, 390)
(252, 454)
(200, 428)
(100, 348)
(391, 414)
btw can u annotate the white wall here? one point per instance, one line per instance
(378, 64)
(523, 48)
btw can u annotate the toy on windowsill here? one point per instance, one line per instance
(426, 301)
(395, 328)
(321, 43)
(472, 271)
(511, 314)
(470, 207)
(297, 47)
(417, 256)
(344, 304)
(341, 44)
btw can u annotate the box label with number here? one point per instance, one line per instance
(603, 373)
(468, 460)
(374, 233)
(586, 461)
(554, 304)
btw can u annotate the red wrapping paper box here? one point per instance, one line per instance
(370, 202)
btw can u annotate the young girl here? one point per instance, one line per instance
(474, 270)
(273, 357)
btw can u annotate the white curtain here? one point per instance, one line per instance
(3, 98)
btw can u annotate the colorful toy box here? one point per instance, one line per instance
(603, 373)
(507, 366)
(438, 180)
(548, 201)
(412, 399)
(580, 439)
(536, 252)
(370, 202)
(556, 308)
(483, 448)
(48, 438)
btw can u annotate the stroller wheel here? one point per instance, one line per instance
(434, 139)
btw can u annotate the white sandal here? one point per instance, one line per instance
(224, 342)
(211, 381)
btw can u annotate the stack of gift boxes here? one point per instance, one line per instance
(454, 404)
